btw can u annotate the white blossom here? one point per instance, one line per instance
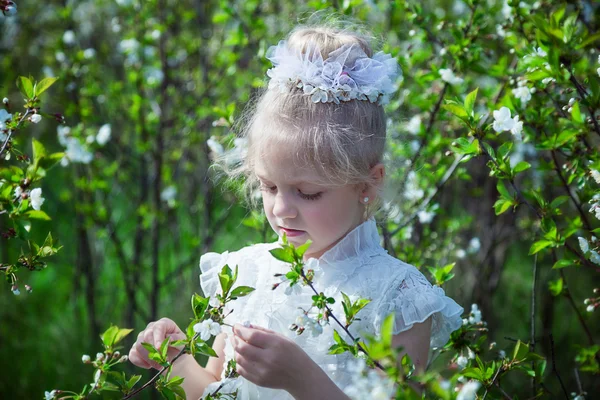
(412, 191)
(500, 31)
(18, 192)
(425, 217)
(583, 244)
(522, 93)
(475, 317)
(598, 71)
(595, 257)
(235, 155)
(68, 37)
(89, 53)
(448, 76)
(168, 194)
(469, 391)
(35, 118)
(4, 116)
(207, 328)
(414, 125)
(590, 308)
(50, 395)
(367, 383)
(227, 385)
(103, 135)
(502, 120)
(85, 359)
(596, 175)
(462, 361)
(474, 245)
(502, 354)
(517, 128)
(461, 253)
(15, 290)
(36, 198)
(507, 11)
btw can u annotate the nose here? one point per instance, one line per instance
(283, 206)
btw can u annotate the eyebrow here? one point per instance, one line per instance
(300, 182)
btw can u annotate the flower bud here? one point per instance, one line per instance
(28, 288)
(570, 109)
(5, 101)
(117, 354)
(86, 359)
(10, 11)
(571, 101)
(275, 286)
(590, 308)
(99, 356)
(123, 359)
(587, 301)
(35, 118)
(596, 290)
(15, 290)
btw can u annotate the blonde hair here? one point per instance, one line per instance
(341, 142)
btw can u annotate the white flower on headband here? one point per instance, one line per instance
(346, 75)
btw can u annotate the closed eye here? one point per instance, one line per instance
(313, 196)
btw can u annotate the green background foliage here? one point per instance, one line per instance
(169, 75)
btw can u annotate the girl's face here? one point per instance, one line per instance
(295, 204)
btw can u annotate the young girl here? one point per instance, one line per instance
(315, 147)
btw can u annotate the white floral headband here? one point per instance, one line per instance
(347, 74)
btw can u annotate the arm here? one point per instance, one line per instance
(197, 378)
(415, 343)
(315, 384)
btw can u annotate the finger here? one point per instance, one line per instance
(255, 337)
(260, 328)
(158, 334)
(137, 360)
(248, 351)
(149, 337)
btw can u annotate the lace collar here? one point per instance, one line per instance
(362, 241)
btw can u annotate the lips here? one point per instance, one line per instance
(291, 232)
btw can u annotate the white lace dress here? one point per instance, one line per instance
(357, 266)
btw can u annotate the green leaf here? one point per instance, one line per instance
(503, 190)
(43, 85)
(133, 381)
(470, 102)
(501, 206)
(558, 201)
(283, 255)
(522, 166)
(38, 214)
(300, 250)
(25, 86)
(49, 161)
(38, 150)
(151, 349)
(576, 113)
(199, 305)
(121, 334)
(539, 245)
(456, 109)
(205, 349)
(241, 291)
(108, 337)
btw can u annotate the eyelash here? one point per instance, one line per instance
(314, 196)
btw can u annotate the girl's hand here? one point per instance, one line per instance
(154, 334)
(269, 359)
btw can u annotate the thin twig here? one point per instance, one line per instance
(532, 336)
(10, 131)
(562, 385)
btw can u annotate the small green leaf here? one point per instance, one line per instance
(470, 102)
(300, 250)
(38, 214)
(576, 113)
(456, 109)
(241, 291)
(282, 255)
(522, 166)
(539, 245)
(199, 305)
(25, 86)
(43, 85)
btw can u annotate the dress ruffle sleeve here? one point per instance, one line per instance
(413, 299)
(210, 266)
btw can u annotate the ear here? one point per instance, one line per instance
(377, 175)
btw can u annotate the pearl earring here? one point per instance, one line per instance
(366, 199)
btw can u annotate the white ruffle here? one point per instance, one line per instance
(413, 299)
